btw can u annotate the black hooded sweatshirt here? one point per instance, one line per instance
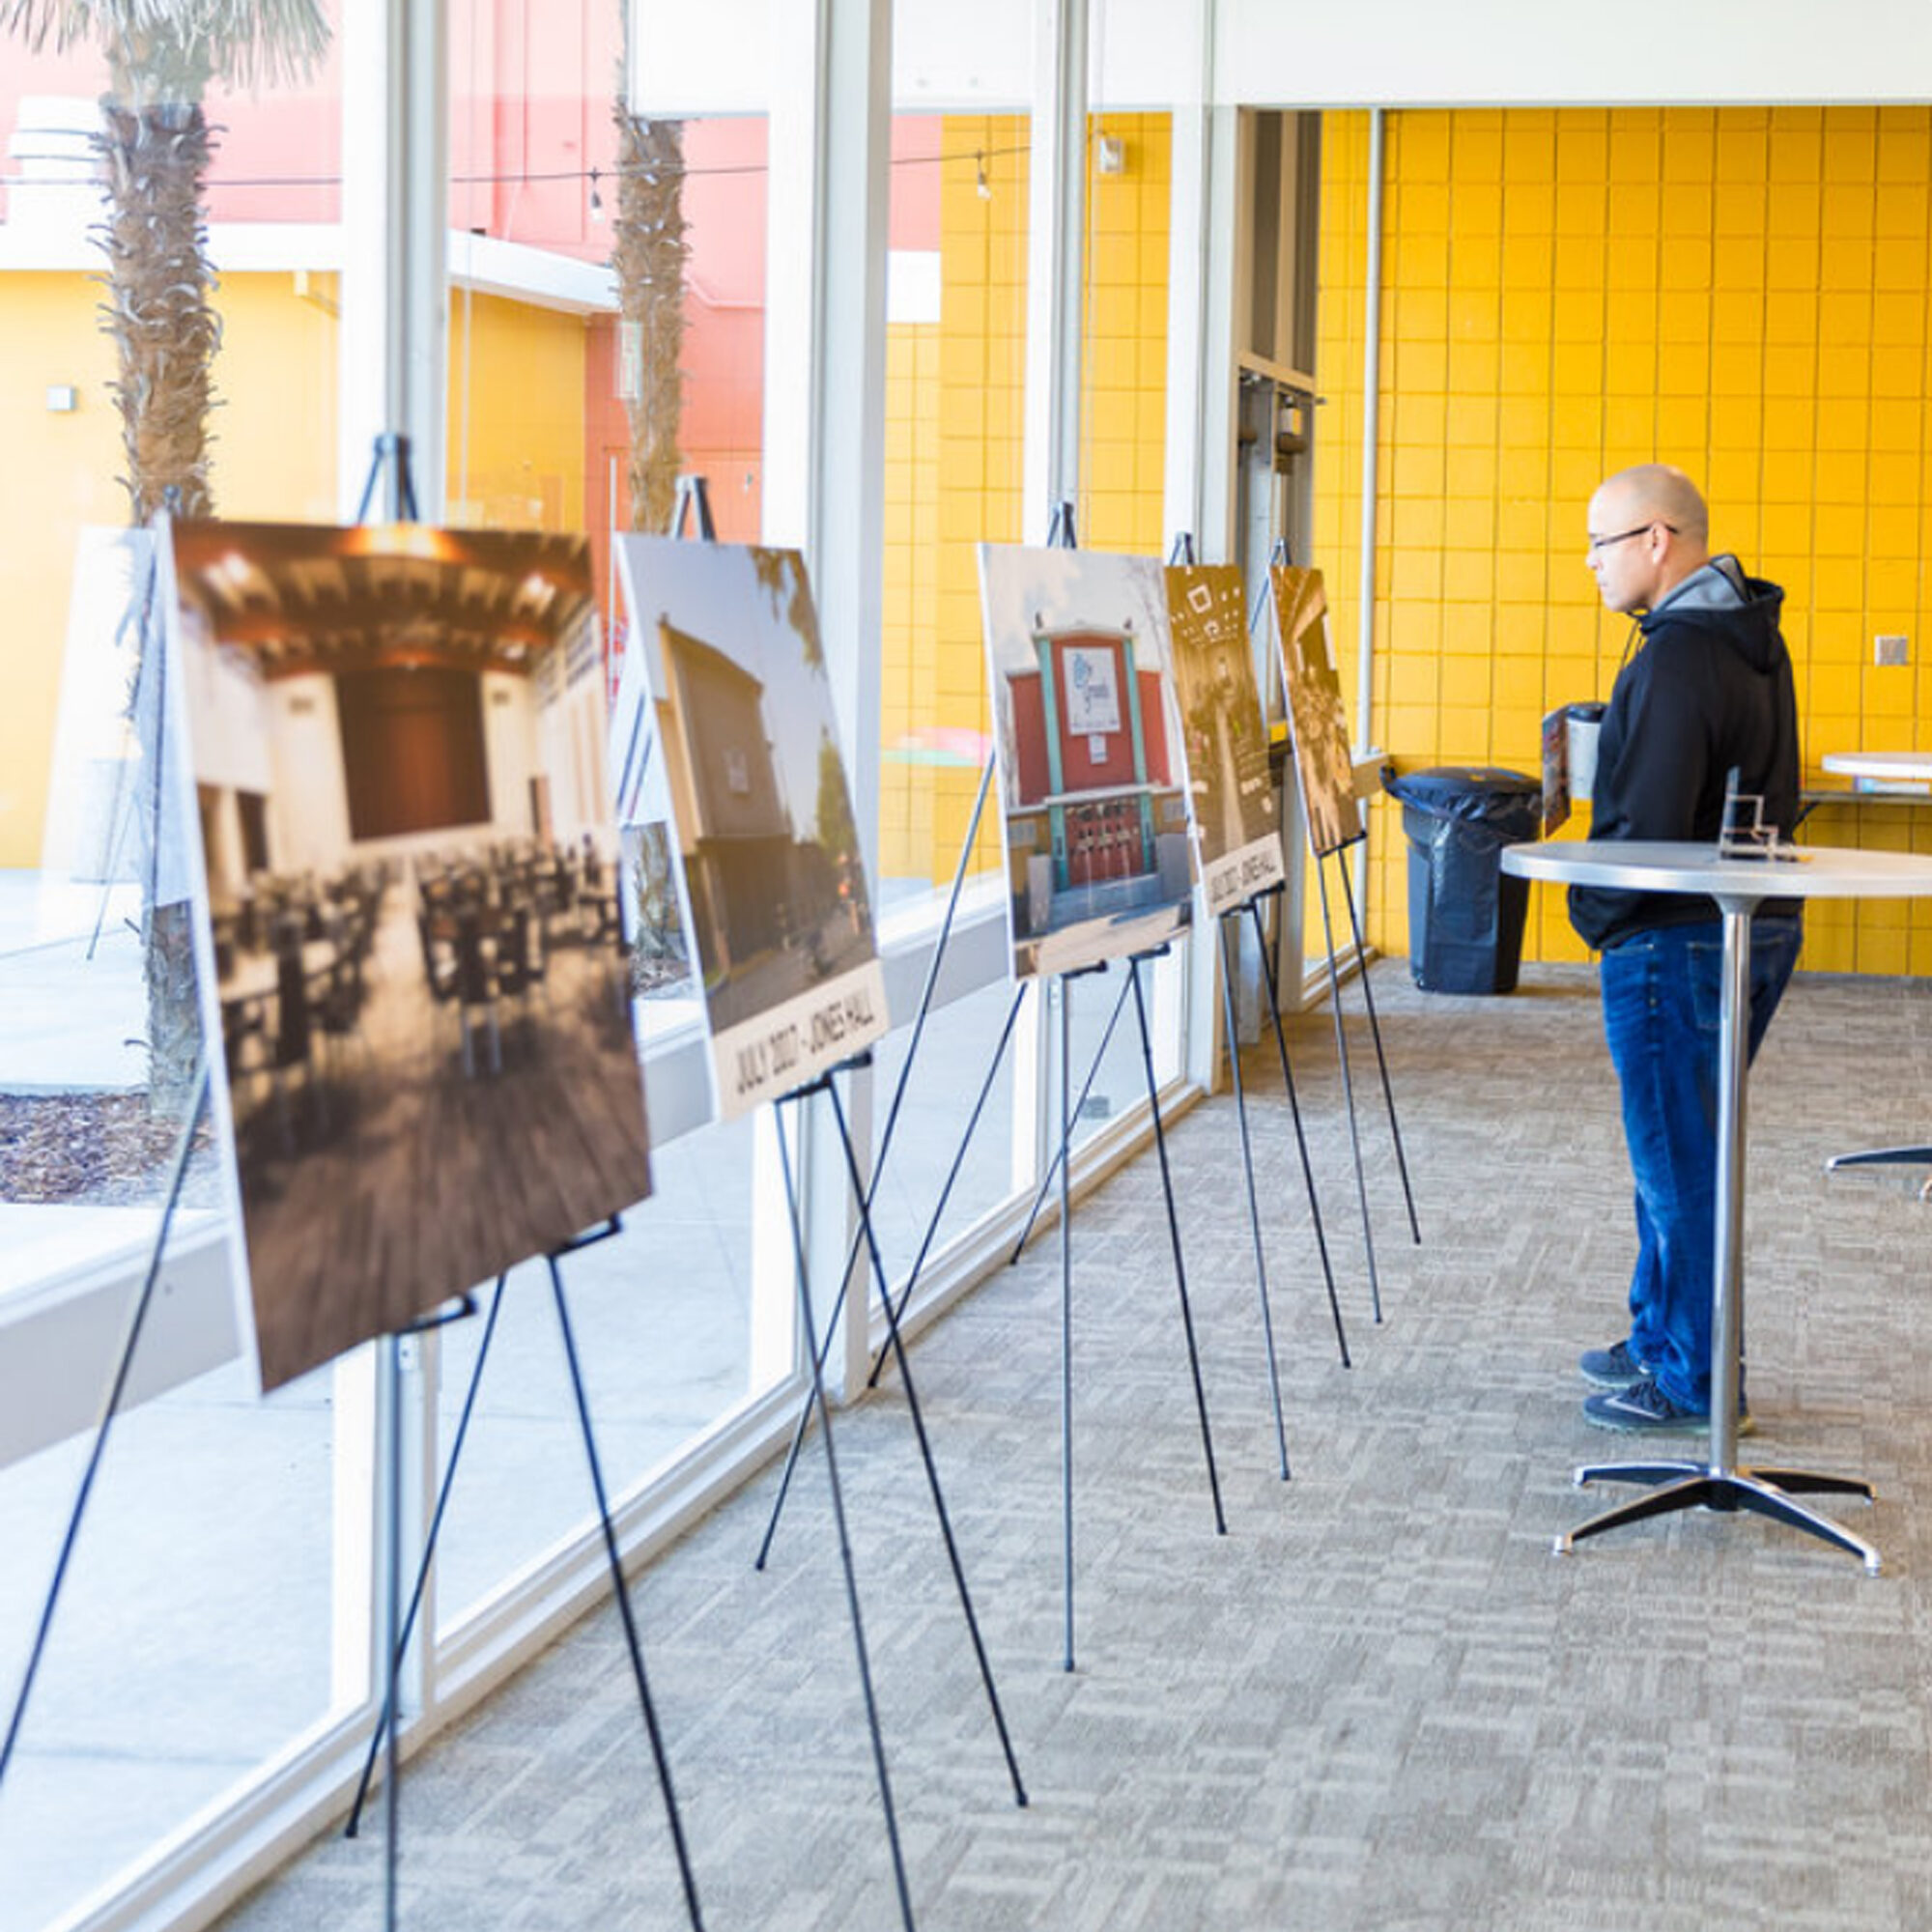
(1710, 689)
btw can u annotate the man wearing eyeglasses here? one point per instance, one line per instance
(1710, 692)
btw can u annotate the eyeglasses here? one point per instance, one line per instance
(1624, 536)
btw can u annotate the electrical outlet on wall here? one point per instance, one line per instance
(1890, 650)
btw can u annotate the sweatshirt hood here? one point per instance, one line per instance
(1718, 597)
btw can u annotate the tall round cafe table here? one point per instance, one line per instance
(1738, 885)
(1881, 767)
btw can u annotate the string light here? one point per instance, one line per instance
(520, 178)
(596, 199)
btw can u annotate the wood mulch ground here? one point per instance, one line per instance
(94, 1149)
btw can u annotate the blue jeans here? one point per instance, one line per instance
(1662, 994)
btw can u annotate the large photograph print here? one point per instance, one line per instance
(1323, 761)
(1091, 775)
(413, 954)
(725, 642)
(1226, 738)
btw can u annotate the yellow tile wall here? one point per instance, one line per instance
(956, 399)
(1738, 291)
(1123, 387)
(909, 669)
(955, 429)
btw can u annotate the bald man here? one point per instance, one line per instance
(1709, 692)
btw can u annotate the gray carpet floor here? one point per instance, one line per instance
(1379, 1700)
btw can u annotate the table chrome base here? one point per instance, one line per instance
(1686, 1485)
(1898, 1157)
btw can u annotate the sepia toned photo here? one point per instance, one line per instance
(1323, 760)
(1234, 828)
(1092, 778)
(415, 958)
(724, 640)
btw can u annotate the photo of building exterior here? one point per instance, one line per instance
(1234, 814)
(1097, 828)
(741, 716)
(1323, 763)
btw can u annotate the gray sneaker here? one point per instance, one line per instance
(1612, 1368)
(1644, 1409)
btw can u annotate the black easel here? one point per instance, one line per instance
(693, 505)
(809, 1331)
(1279, 554)
(1065, 1164)
(1183, 554)
(392, 452)
(1079, 1108)
(406, 1629)
(1059, 535)
(1374, 1027)
(1253, 909)
(402, 1633)
(117, 1389)
(692, 499)
(386, 1725)
(870, 1193)
(1134, 964)
(864, 1242)
(952, 1175)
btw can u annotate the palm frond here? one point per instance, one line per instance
(251, 42)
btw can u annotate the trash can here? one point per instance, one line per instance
(1465, 915)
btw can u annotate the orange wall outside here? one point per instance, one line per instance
(1738, 291)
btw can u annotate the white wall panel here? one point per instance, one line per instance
(1419, 52)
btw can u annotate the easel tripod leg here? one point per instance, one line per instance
(621, 1590)
(810, 1339)
(1066, 1167)
(952, 1173)
(803, 1420)
(130, 1341)
(388, 1712)
(1248, 1169)
(1059, 1160)
(1381, 1059)
(392, 1648)
(1348, 1089)
(897, 1346)
(1269, 981)
(1173, 1236)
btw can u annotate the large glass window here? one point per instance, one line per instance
(956, 380)
(955, 429)
(663, 1317)
(606, 329)
(192, 1646)
(607, 332)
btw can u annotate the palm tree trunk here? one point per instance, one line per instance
(165, 335)
(157, 311)
(648, 254)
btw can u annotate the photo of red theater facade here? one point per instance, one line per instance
(1095, 789)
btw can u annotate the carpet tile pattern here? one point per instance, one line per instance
(1379, 1703)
